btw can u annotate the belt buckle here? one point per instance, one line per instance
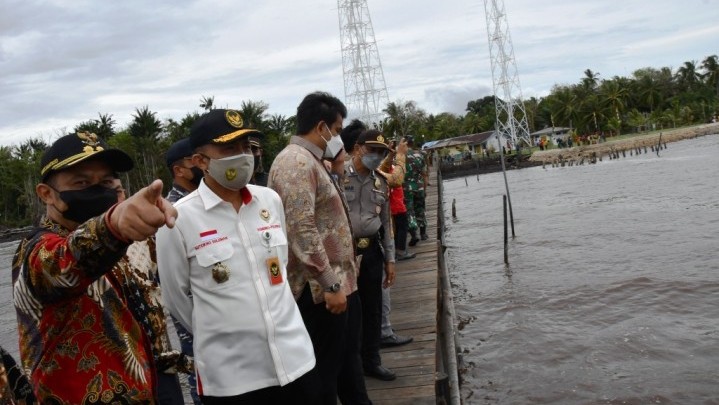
(362, 243)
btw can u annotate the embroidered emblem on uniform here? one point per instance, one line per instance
(220, 273)
(90, 141)
(230, 173)
(265, 215)
(207, 235)
(363, 243)
(234, 118)
(273, 266)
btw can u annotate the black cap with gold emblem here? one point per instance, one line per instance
(374, 138)
(219, 127)
(75, 148)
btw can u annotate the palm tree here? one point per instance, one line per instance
(564, 106)
(649, 92)
(145, 124)
(144, 130)
(614, 96)
(253, 113)
(105, 126)
(207, 103)
(590, 80)
(688, 75)
(711, 72)
(279, 124)
(403, 117)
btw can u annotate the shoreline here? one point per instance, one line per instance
(612, 147)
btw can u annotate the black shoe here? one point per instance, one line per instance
(405, 256)
(395, 340)
(380, 373)
(424, 236)
(413, 241)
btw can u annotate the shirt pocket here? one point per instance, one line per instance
(350, 196)
(208, 256)
(379, 198)
(215, 265)
(273, 238)
(275, 247)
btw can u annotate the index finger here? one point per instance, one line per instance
(169, 211)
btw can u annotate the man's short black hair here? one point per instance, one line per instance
(316, 107)
(351, 132)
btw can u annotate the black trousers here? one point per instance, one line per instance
(169, 391)
(351, 384)
(336, 341)
(401, 227)
(301, 391)
(369, 284)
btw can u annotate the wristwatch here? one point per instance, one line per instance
(333, 288)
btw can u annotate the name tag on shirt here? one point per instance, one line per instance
(274, 270)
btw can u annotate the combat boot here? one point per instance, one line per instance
(423, 232)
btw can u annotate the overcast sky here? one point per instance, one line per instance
(63, 62)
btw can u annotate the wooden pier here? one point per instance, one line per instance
(414, 313)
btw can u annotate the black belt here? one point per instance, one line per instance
(364, 243)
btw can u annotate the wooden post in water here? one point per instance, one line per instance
(465, 182)
(506, 185)
(659, 144)
(506, 253)
(454, 208)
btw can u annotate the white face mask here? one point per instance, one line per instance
(334, 145)
(233, 172)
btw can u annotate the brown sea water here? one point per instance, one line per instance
(612, 292)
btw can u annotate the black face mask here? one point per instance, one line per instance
(196, 176)
(88, 202)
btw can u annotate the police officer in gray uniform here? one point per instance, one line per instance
(367, 196)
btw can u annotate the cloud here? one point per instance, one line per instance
(454, 98)
(63, 62)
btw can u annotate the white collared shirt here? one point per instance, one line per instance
(248, 332)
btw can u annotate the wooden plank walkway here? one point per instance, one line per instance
(414, 313)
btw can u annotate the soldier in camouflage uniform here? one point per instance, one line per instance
(415, 182)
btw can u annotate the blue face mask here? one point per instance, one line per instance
(372, 160)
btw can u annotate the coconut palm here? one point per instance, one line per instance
(711, 72)
(688, 76)
(590, 80)
(253, 113)
(207, 103)
(279, 124)
(564, 106)
(614, 95)
(145, 130)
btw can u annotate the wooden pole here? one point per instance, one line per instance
(506, 185)
(659, 144)
(454, 208)
(506, 253)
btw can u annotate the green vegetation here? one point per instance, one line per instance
(649, 99)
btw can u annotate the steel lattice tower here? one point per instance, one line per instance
(365, 88)
(511, 120)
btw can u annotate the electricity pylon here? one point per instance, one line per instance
(511, 120)
(365, 88)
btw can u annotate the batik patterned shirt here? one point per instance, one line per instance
(80, 341)
(321, 247)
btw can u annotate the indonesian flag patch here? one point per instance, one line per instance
(208, 235)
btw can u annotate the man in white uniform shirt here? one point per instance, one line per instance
(230, 249)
